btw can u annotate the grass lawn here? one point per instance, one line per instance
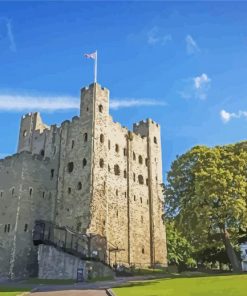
(12, 291)
(227, 285)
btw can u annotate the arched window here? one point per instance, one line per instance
(116, 170)
(109, 168)
(140, 179)
(141, 199)
(85, 137)
(72, 144)
(30, 191)
(125, 174)
(140, 159)
(101, 163)
(109, 144)
(155, 140)
(24, 133)
(79, 186)
(134, 177)
(147, 182)
(117, 148)
(42, 152)
(70, 167)
(125, 151)
(13, 191)
(134, 198)
(116, 192)
(84, 162)
(69, 190)
(143, 251)
(100, 108)
(146, 162)
(101, 138)
(134, 156)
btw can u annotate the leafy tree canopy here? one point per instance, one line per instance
(178, 248)
(207, 195)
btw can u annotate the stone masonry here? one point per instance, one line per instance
(91, 175)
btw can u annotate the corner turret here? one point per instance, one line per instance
(29, 123)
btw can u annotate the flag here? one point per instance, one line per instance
(92, 55)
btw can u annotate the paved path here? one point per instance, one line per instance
(72, 293)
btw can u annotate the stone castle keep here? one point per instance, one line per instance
(89, 185)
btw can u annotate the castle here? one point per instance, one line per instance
(91, 176)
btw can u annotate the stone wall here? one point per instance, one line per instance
(55, 264)
(27, 193)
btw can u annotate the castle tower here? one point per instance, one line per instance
(82, 172)
(94, 112)
(151, 131)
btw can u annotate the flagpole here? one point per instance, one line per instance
(95, 67)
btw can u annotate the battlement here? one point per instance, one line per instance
(148, 122)
(91, 86)
(144, 127)
(27, 115)
(22, 155)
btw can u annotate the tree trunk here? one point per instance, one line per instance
(236, 265)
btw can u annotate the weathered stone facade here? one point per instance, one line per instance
(90, 174)
(55, 264)
(27, 193)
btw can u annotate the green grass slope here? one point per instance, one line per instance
(228, 285)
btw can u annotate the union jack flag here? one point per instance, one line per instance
(92, 55)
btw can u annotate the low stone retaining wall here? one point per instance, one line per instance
(56, 264)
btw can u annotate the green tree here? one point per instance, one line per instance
(179, 250)
(207, 193)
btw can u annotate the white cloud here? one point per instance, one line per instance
(7, 32)
(201, 86)
(201, 81)
(196, 87)
(27, 102)
(16, 102)
(127, 103)
(12, 45)
(154, 37)
(191, 45)
(227, 116)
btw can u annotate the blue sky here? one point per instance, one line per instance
(182, 64)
